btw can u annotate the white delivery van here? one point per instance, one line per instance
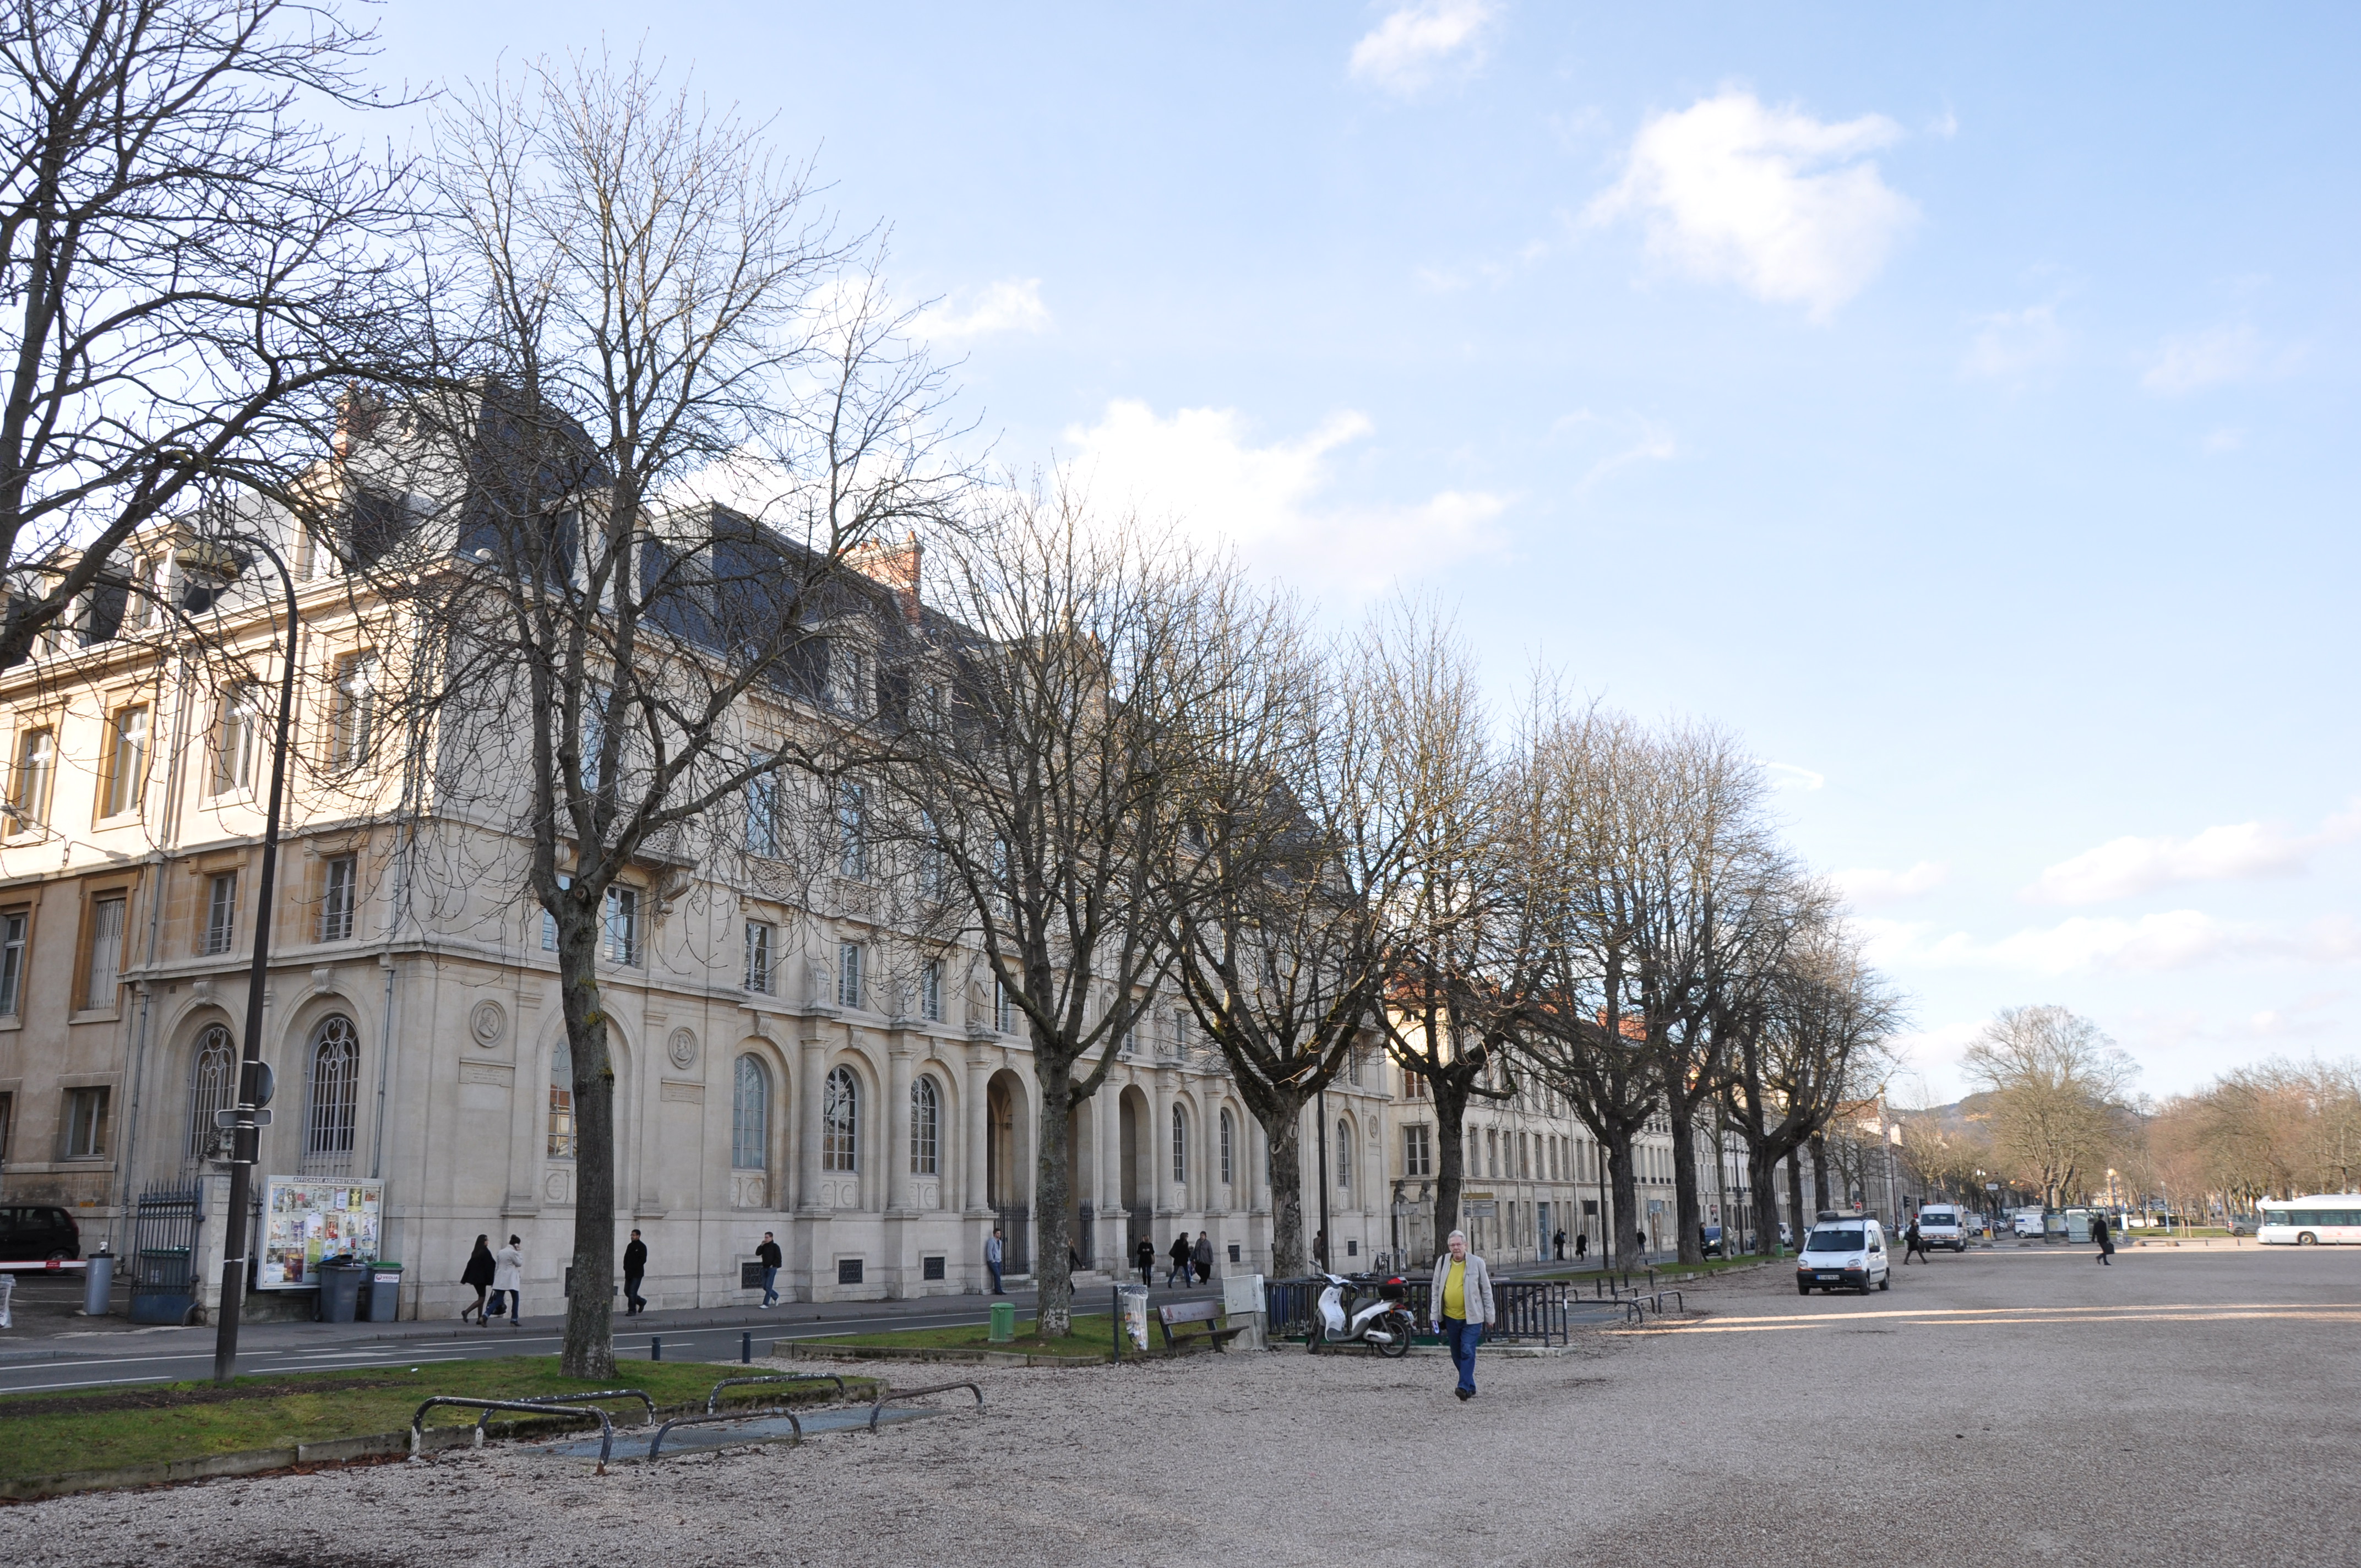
(1942, 1224)
(2027, 1222)
(1844, 1251)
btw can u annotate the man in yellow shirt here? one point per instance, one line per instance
(1461, 1303)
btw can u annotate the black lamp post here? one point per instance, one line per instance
(253, 1077)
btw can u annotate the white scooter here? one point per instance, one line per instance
(1384, 1324)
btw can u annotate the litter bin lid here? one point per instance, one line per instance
(384, 1266)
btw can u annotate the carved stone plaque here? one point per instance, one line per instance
(682, 1047)
(488, 1022)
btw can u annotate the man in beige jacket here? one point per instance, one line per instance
(1461, 1304)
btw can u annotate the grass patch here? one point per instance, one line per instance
(1092, 1335)
(44, 1434)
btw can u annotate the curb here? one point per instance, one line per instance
(822, 1350)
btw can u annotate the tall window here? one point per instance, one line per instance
(1343, 1158)
(14, 925)
(1353, 1066)
(926, 1126)
(563, 1135)
(352, 710)
(104, 962)
(213, 1086)
(763, 812)
(839, 1119)
(549, 921)
(622, 939)
(28, 786)
(852, 831)
(332, 1101)
(1180, 1147)
(237, 739)
(127, 761)
(1413, 1085)
(221, 912)
(85, 1128)
(1002, 1010)
(848, 974)
(1180, 1031)
(931, 991)
(1228, 1158)
(750, 1116)
(934, 870)
(758, 957)
(339, 893)
(1492, 1149)
(1418, 1151)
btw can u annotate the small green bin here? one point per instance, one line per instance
(1003, 1322)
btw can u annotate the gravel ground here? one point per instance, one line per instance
(2003, 1407)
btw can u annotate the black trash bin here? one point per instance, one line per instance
(384, 1291)
(340, 1291)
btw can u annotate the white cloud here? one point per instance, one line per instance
(1869, 887)
(1787, 775)
(2224, 439)
(2174, 940)
(2129, 866)
(1414, 43)
(1200, 468)
(1788, 207)
(1012, 304)
(1618, 441)
(2217, 357)
(2010, 342)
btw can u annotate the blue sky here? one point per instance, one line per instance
(1951, 403)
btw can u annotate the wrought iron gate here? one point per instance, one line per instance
(164, 1255)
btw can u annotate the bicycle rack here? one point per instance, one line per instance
(712, 1400)
(605, 1426)
(885, 1394)
(655, 1443)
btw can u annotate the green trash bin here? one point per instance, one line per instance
(384, 1291)
(1003, 1322)
(340, 1291)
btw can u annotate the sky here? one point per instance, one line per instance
(1947, 401)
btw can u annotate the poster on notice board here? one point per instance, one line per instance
(306, 1219)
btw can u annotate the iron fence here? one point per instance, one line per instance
(1532, 1310)
(164, 1255)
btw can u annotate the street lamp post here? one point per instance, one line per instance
(252, 1076)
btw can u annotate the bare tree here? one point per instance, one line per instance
(196, 270)
(1047, 775)
(618, 672)
(2057, 1082)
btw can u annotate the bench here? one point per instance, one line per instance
(1195, 1312)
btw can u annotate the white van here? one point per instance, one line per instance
(2027, 1222)
(1942, 1224)
(1847, 1250)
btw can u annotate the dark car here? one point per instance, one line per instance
(29, 1233)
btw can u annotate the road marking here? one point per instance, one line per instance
(2016, 1317)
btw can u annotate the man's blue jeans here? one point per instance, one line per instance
(1463, 1338)
(770, 1286)
(995, 1278)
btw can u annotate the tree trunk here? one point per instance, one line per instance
(1053, 1274)
(1623, 1179)
(1450, 1158)
(1796, 1196)
(1289, 1254)
(1762, 1177)
(590, 1305)
(1820, 1195)
(1689, 1219)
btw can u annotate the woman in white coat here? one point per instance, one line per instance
(508, 1274)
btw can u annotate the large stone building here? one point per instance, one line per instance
(769, 1079)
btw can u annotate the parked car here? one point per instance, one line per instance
(27, 1233)
(1941, 1225)
(1845, 1252)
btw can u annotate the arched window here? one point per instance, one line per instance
(563, 1136)
(1180, 1147)
(750, 1116)
(840, 1115)
(926, 1126)
(1343, 1158)
(331, 1097)
(213, 1086)
(1228, 1159)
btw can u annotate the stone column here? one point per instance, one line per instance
(1168, 1198)
(972, 1194)
(813, 1050)
(896, 1127)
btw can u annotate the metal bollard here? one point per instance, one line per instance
(746, 1348)
(656, 1348)
(97, 1282)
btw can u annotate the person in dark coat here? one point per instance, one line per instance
(1145, 1259)
(1581, 1246)
(635, 1268)
(1560, 1239)
(769, 1256)
(1201, 1258)
(2105, 1238)
(1915, 1244)
(478, 1273)
(1179, 1256)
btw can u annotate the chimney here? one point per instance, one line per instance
(895, 566)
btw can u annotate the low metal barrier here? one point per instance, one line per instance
(1529, 1309)
(605, 1426)
(1523, 1309)
(713, 1400)
(655, 1443)
(484, 1420)
(885, 1394)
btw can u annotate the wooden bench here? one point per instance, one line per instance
(1195, 1312)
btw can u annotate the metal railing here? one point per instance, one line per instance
(1532, 1310)
(605, 1426)
(883, 1394)
(655, 1443)
(484, 1420)
(713, 1400)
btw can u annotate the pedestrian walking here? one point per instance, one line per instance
(768, 1255)
(1462, 1301)
(1320, 1248)
(1560, 1240)
(635, 1268)
(2105, 1238)
(1582, 1247)
(478, 1273)
(1915, 1244)
(508, 1280)
(1201, 1258)
(1641, 1238)
(1179, 1256)
(994, 1249)
(1145, 1261)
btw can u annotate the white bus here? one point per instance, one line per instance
(2323, 1219)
